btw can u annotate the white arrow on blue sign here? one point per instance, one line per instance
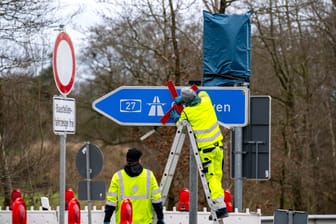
(145, 105)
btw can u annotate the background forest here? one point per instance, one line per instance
(146, 43)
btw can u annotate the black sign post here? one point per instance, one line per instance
(89, 162)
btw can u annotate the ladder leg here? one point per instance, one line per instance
(171, 164)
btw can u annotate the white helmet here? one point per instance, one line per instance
(187, 94)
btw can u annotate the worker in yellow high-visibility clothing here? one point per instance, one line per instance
(199, 112)
(140, 186)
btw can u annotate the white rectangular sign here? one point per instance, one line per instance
(64, 115)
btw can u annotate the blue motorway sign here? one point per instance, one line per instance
(145, 105)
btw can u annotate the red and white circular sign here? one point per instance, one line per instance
(64, 63)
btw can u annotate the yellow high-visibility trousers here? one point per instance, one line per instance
(213, 167)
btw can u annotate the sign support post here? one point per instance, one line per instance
(64, 70)
(193, 185)
(62, 175)
(88, 183)
(238, 182)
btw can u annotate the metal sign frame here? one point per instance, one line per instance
(252, 146)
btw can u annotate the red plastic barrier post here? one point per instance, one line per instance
(228, 200)
(183, 204)
(16, 193)
(69, 195)
(74, 216)
(19, 212)
(126, 214)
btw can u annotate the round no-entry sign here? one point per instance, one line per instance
(64, 63)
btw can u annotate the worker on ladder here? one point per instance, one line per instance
(199, 112)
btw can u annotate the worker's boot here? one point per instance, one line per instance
(220, 213)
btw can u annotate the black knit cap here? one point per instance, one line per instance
(133, 155)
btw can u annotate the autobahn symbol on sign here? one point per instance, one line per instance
(145, 105)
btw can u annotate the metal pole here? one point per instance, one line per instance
(257, 157)
(256, 143)
(193, 185)
(62, 177)
(238, 186)
(88, 182)
(290, 217)
(257, 160)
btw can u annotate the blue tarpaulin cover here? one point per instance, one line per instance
(226, 49)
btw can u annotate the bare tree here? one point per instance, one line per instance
(21, 21)
(147, 43)
(23, 154)
(299, 85)
(217, 6)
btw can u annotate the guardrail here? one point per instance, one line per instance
(97, 217)
(312, 219)
(171, 217)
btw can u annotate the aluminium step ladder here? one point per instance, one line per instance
(172, 161)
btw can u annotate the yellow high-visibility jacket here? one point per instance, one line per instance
(142, 190)
(203, 120)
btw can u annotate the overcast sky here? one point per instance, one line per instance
(76, 16)
(85, 18)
